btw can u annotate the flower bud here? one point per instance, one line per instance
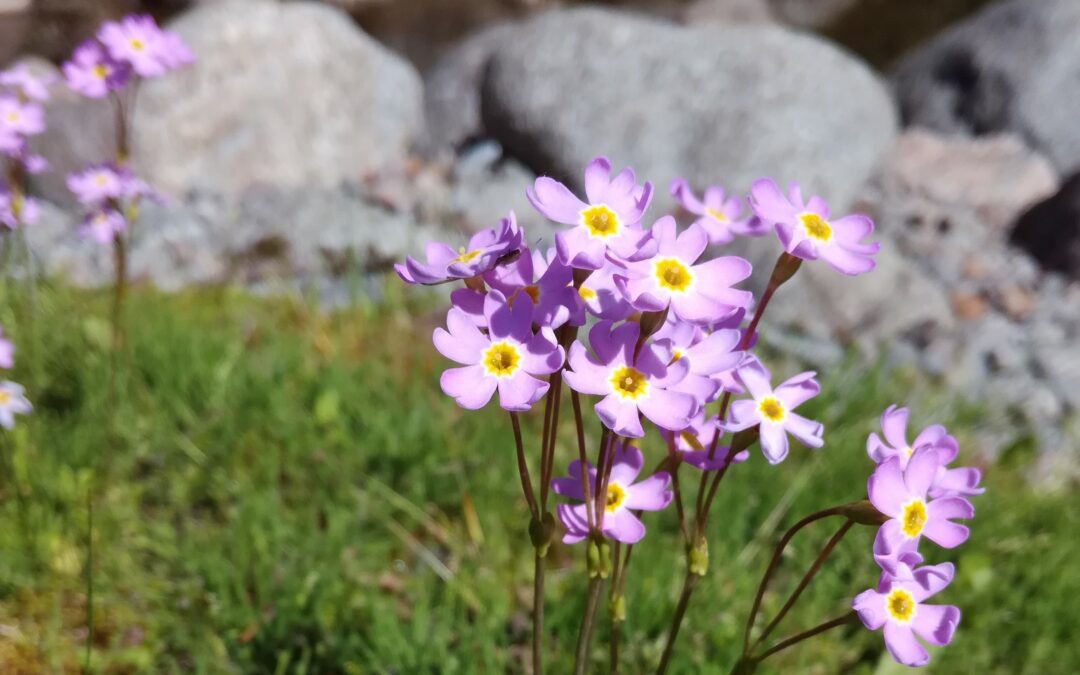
(863, 513)
(698, 557)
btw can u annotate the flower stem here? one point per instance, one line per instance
(538, 614)
(547, 457)
(523, 467)
(849, 617)
(807, 578)
(775, 562)
(676, 621)
(592, 599)
(583, 458)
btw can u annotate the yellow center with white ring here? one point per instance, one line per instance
(501, 359)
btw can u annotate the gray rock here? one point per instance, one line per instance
(811, 13)
(724, 104)
(1015, 66)
(284, 94)
(728, 11)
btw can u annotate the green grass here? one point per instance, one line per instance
(278, 490)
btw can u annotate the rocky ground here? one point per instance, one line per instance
(303, 151)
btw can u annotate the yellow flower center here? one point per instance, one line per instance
(675, 356)
(501, 359)
(615, 496)
(629, 383)
(13, 116)
(914, 518)
(673, 274)
(717, 215)
(137, 44)
(100, 71)
(101, 180)
(772, 409)
(600, 221)
(465, 256)
(586, 293)
(5, 398)
(908, 452)
(816, 227)
(900, 605)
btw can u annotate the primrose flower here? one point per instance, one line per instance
(630, 384)
(901, 495)
(27, 213)
(547, 281)
(695, 442)
(774, 409)
(20, 119)
(12, 402)
(7, 351)
(30, 86)
(709, 356)
(103, 225)
(487, 248)
(719, 215)
(93, 73)
(623, 497)
(897, 604)
(959, 481)
(137, 40)
(97, 184)
(806, 232)
(601, 296)
(699, 293)
(611, 220)
(508, 358)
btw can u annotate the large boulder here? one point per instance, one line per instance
(1050, 231)
(283, 94)
(723, 104)
(1015, 66)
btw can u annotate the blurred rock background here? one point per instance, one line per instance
(318, 140)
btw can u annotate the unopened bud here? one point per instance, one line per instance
(863, 513)
(617, 609)
(698, 557)
(541, 532)
(786, 267)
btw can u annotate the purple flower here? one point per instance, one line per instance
(103, 225)
(623, 497)
(695, 442)
(601, 296)
(897, 604)
(30, 86)
(901, 495)
(7, 351)
(611, 220)
(947, 482)
(806, 232)
(699, 293)
(547, 281)
(20, 119)
(485, 250)
(98, 184)
(630, 384)
(508, 358)
(721, 217)
(93, 73)
(774, 409)
(709, 356)
(15, 212)
(135, 40)
(12, 402)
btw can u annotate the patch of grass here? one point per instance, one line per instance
(279, 490)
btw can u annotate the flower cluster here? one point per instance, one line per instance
(665, 316)
(21, 116)
(919, 496)
(133, 46)
(12, 396)
(121, 51)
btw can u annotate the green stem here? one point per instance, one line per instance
(850, 617)
(538, 615)
(523, 467)
(676, 621)
(588, 618)
(583, 458)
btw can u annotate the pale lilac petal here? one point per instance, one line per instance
(542, 356)
(620, 417)
(901, 643)
(769, 203)
(520, 392)
(846, 261)
(669, 409)
(886, 488)
(870, 606)
(627, 464)
(944, 533)
(894, 425)
(931, 579)
(681, 191)
(755, 377)
(716, 353)
(622, 525)
(584, 376)
(568, 487)
(921, 470)
(575, 520)
(597, 179)
(469, 386)
(961, 481)
(651, 494)
(807, 431)
(852, 228)
(936, 623)
(797, 390)
(774, 442)
(742, 414)
(690, 244)
(555, 201)
(878, 451)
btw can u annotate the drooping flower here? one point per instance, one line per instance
(720, 216)
(7, 351)
(694, 444)
(630, 384)
(486, 249)
(547, 281)
(898, 605)
(30, 86)
(507, 359)
(774, 409)
(12, 402)
(93, 73)
(709, 356)
(623, 497)
(610, 221)
(697, 292)
(103, 225)
(957, 481)
(806, 232)
(901, 494)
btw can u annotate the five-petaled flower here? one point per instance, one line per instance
(623, 497)
(486, 249)
(773, 409)
(721, 216)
